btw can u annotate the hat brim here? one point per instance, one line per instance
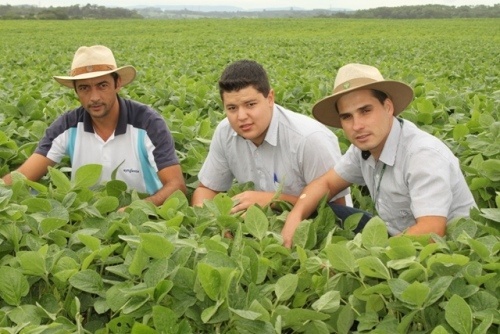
(126, 73)
(325, 110)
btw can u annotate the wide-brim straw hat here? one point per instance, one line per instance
(353, 77)
(95, 61)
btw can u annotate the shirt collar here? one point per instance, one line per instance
(388, 155)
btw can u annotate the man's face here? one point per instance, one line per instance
(365, 121)
(98, 95)
(249, 112)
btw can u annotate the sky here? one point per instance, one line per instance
(256, 4)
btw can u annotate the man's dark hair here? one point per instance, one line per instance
(244, 73)
(379, 95)
(114, 75)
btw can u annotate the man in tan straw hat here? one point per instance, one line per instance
(127, 138)
(414, 179)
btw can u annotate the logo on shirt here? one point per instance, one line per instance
(130, 170)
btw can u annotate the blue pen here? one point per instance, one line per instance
(276, 182)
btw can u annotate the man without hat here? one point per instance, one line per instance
(123, 136)
(262, 142)
(414, 179)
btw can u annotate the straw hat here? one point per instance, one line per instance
(353, 77)
(95, 61)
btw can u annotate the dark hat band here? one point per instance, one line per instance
(91, 68)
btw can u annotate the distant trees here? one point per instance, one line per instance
(66, 13)
(100, 12)
(428, 12)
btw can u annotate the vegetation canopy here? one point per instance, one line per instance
(70, 263)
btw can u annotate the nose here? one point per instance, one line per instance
(357, 123)
(94, 94)
(242, 114)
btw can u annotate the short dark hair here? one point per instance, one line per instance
(378, 94)
(244, 73)
(114, 75)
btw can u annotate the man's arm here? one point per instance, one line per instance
(172, 179)
(202, 193)
(34, 168)
(427, 225)
(328, 184)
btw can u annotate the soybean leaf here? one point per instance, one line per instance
(341, 258)
(328, 302)
(210, 280)
(88, 281)
(156, 246)
(371, 266)
(374, 234)
(87, 175)
(13, 285)
(60, 180)
(285, 286)
(165, 319)
(106, 204)
(256, 222)
(458, 315)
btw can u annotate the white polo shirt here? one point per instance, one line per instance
(296, 150)
(416, 175)
(140, 146)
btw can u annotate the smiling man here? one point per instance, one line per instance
(119, 134)
(414, 179)
(264, 143)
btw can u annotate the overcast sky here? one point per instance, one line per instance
(256, 4)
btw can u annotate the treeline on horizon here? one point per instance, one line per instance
(101, 12)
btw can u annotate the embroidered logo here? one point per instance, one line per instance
(346, 85)
(130, 170)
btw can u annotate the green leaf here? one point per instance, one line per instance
(106, 204)
(437, 289)
(458, 315)
(60, 180)
(33, 263)
(285, 286)
(156, 246)
(139, 328)
(415, 294)
(371, 266)
(460, 131)
(210, 280)
(374, 234)
(246, 314)
(328, 302)
(341, 258)
(165, 319)
(491, 169)
(87, 175)
(91, 242)
(13, 285)
(88, 281)
(37, 204)
(256, 222)
(51, 224)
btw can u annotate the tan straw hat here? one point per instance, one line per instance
(358, 76)
(95, 61)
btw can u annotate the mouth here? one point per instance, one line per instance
(362, 138)
(245, 127)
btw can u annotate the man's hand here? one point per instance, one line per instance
(247, 198)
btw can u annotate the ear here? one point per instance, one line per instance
(118, 84)
(270, 97)
(389, 106)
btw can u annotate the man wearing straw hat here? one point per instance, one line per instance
(414, 179)
(127, 138)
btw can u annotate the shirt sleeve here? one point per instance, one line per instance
(349, 167)
(321, 153)
(163, 145)
(215, 173)
(429, 183)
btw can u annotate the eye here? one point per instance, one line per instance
(82, 88)
(103, 85)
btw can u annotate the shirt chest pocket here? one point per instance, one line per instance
(396, 212)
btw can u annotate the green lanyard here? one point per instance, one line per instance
(377, 190)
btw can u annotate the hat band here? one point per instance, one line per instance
(91, 68)
(354, 83)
